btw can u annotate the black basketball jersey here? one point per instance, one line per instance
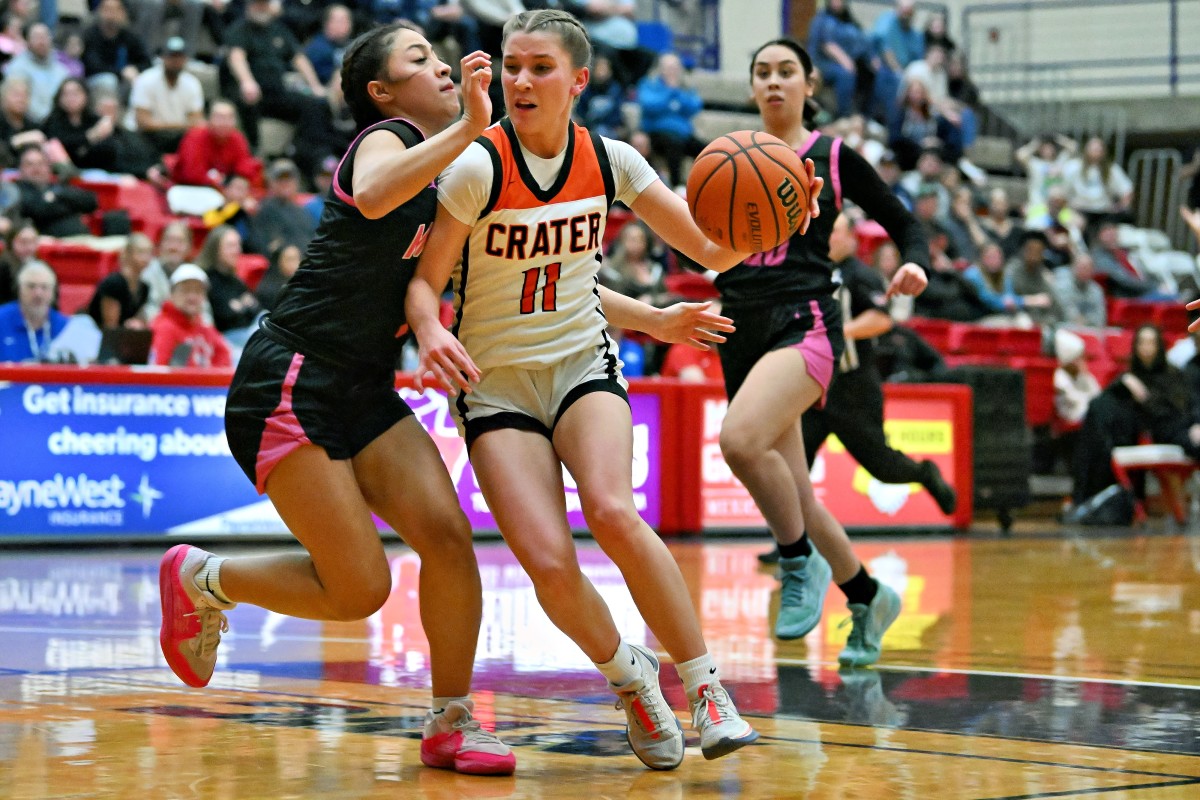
(800, 266)
(346, 302)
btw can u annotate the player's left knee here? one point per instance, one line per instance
(611, 516)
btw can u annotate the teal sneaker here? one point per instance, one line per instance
(805, 582)
(869, 623)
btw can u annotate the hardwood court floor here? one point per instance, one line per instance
(1034, 667)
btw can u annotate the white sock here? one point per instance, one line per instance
(440, 703)
(697, 673)
(622, 668)
(208, 578)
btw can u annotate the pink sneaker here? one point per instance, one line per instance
(455, 740)
(192, 622)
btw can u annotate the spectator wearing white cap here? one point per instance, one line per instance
(181, 336)
(167, 99)
(1074, 385)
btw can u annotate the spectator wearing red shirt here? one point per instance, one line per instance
(181, 336)
(209, 153)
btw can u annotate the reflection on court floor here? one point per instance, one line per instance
(1039, 667)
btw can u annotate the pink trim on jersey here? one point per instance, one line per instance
(817, 352)
(835, 172)
(283, 432)
(337, 173)
(812, 139)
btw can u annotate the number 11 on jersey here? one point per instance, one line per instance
(529, 288)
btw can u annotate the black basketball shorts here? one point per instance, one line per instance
(281, 400)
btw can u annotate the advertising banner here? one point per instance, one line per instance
(433, 410)
(103, 459)
(921, 427)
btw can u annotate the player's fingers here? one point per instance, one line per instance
(708, 336)
(697, 344)
(715, 322)
(449, 372)
(1192, 306)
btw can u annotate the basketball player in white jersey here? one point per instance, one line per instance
(525, 207)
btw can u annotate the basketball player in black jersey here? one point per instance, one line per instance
(780, 360)
(314, 420)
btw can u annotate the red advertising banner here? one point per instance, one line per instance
(924, 421)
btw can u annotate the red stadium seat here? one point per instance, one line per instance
(934, 331)
(1119, 345)
(76, 263)
(973, 339)
(1022, 342)
(691, 286)
(251, 268)
(73, 298)
(617, 217)
(1171, 317)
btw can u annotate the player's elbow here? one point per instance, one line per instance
(370, 203)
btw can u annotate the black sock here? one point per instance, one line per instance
(800, 547)
(859, 589)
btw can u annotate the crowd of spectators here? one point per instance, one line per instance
(118, 93)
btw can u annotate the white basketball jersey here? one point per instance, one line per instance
(526, 292)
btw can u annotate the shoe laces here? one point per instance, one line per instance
(714, 694)
(794, 586)
(655, 710)
(212, 624)
(858, 631)
(473, 733)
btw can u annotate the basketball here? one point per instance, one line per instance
(748, 191)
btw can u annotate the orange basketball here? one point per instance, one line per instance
(748, 191)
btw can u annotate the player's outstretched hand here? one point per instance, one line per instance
(1192, 306)
(909, 279)
(443, 356)
(815, 185)
(691, 324)
(476, 78)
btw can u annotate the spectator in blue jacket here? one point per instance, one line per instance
(841, 50)
(994, 286)
(667, 110)
(326, 47)
(599, 106)
(28, 324)
(898, 43)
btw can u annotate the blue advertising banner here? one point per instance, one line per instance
(127, 459)
(96, 459)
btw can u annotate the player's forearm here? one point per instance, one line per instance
(868, 325)
(421, 306)
(386, 177)
(625, 312)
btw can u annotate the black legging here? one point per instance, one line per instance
(1112, 420)
(854, 412)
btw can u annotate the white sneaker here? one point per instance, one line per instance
(455, 740)
(721, 729)
(651, 727)
(192, 622)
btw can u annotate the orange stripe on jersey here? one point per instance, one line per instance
(518, 189)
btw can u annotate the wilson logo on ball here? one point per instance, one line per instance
(748, 191)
